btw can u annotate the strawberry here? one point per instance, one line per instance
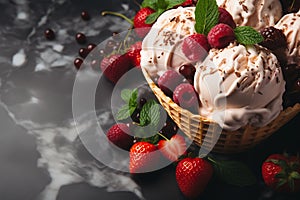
(134, 54)
(187, 3)
(119, 135)
(282, 173)
(142, 157)
(193, 175)
(172, 148)
(115, 66)
(139, 22)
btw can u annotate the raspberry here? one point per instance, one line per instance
(195, 47)
(168, 81)
(186, 96)
(220, 36)
(119, 135)
(226, 18)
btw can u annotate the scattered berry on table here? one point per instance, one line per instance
(49, 34)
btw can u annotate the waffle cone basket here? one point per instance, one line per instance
(201, 130)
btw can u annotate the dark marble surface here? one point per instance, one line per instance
(41, 156)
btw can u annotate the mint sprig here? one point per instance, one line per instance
(159, 6)
(247, 35)
(150, 114)
(233, 172)
(130, 98)
(206, 16)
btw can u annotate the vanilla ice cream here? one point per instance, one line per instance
(240, 85)
(161, 48)
(255, 13)
(290, 25)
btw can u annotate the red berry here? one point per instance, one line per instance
(186, 96)
(187, 3)
(85, 15)
(119, 134)
(49, 34)
(139, 22)
(168, 81)
(142, 157)
(80, 38)
(193, 175)
(226, 18)
(281, 173)
(172, 148)
(134, 54)
(220, 36)
(78, 62)
(195, 47)
(115, 66)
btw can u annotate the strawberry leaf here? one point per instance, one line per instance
(247, 35)
(123, 113)
(295, 175)
(153, 17)
(162, 4)
(234, 173)
(206, 16)
(173, 3)
(150, 3)
(153, 139)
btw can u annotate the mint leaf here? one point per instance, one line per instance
(126, 95)
(133, 101)
(150, 114)
(123, 113)
(173, 3)
(206, 16)
(247, 35)
(234, 173)
(153, 17)
(150, 3)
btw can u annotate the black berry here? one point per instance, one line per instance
(273, 38)
(78, 62)
(80, 38)
(85, 15)
(91, 46)
(49, 34)
(188, 71)
(83, 52)
(169, 128)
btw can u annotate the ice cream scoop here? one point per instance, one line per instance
(161, 48)
(255, 13)
(240, 85)
(290, 25)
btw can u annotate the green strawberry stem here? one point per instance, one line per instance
(118, 15)
(211, 160)
(161, 135)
